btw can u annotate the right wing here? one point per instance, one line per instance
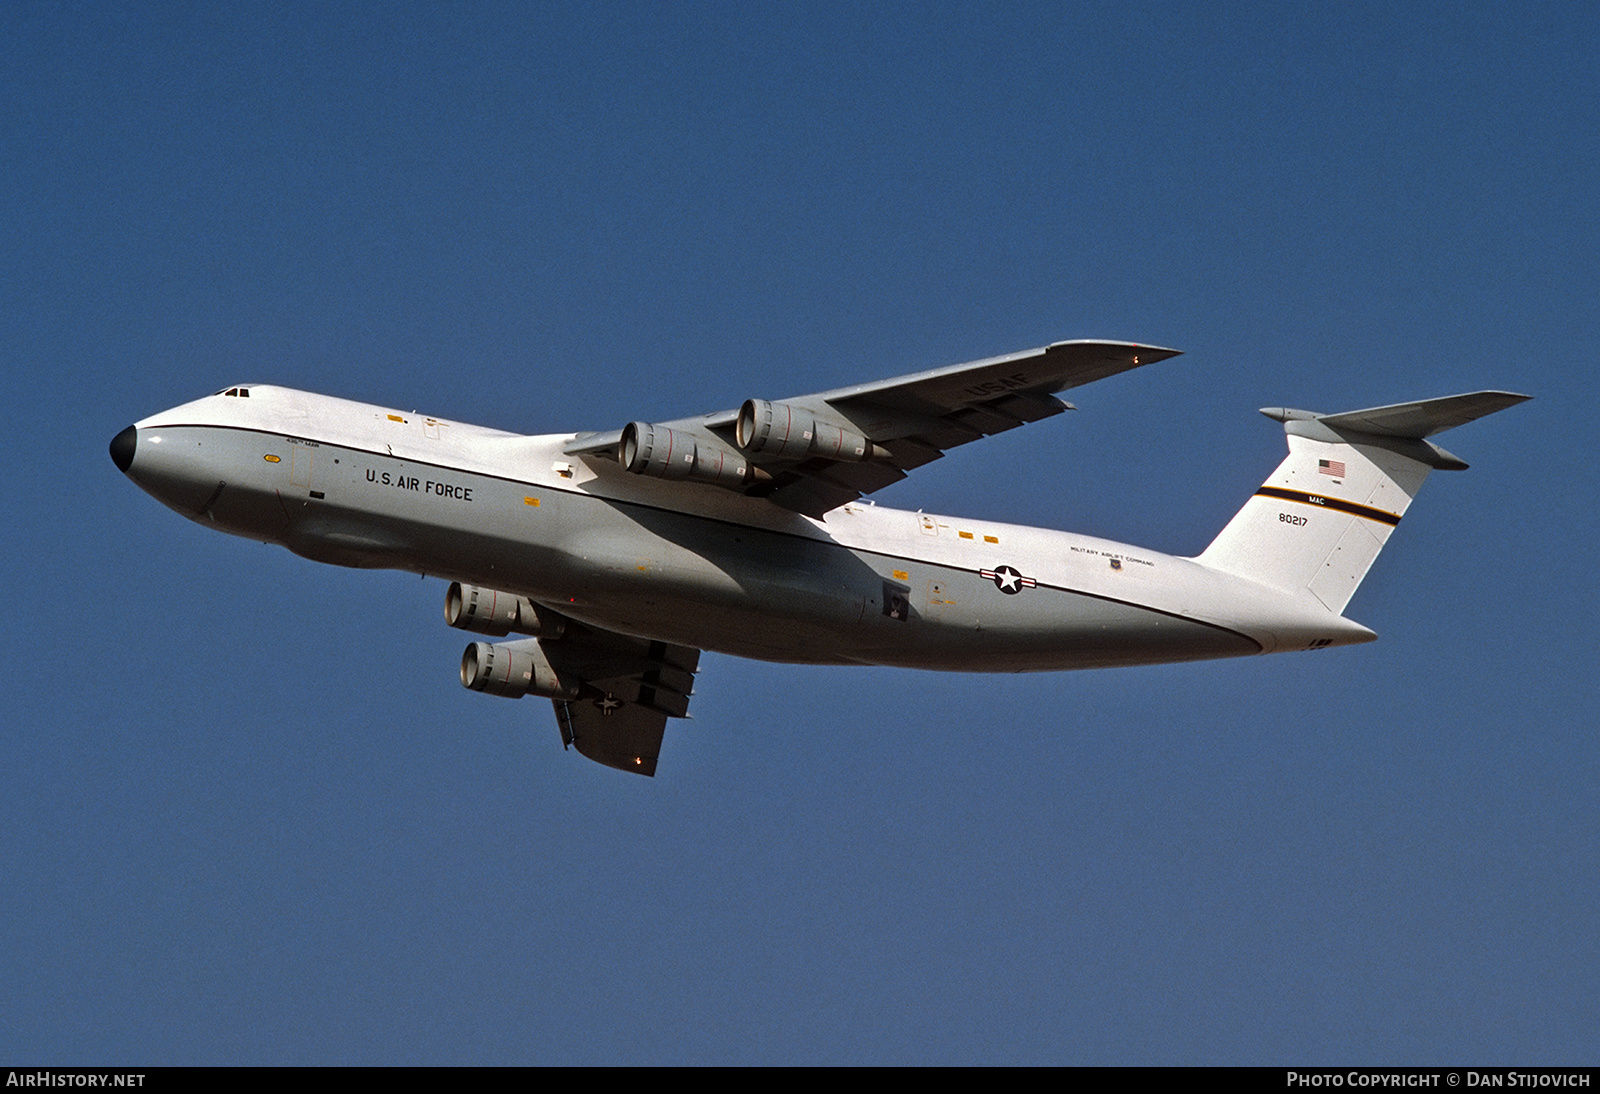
(816, 452)
(631, 687)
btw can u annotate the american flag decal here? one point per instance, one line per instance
(1331, 467)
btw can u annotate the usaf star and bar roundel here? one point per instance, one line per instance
(1008, 579)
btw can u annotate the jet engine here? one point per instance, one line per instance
(783, 431)
(491, 612)
(515, 669)
(664, 453)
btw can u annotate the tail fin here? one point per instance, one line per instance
(1328, 509)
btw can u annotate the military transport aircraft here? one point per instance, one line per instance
(623, 554)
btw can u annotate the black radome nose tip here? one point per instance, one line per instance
(122, 446)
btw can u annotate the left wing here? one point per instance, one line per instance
(631, 687)
(817, 452)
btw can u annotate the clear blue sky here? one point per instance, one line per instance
(247, 813)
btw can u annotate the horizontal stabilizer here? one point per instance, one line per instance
(1416, 420)
(1317, 524)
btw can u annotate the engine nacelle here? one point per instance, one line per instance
(515, 669)
(783, 431)
(664, 453)
(491, 612)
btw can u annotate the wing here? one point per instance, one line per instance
(816, 452)
(631, 687)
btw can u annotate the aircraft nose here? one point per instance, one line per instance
(122, 446)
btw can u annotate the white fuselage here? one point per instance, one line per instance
(692, 564)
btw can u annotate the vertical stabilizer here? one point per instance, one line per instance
(1320, 520)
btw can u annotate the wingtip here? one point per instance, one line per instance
(1143, 354)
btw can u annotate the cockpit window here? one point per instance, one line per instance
(240, 392)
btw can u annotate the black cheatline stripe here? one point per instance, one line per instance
(1147, 608)
(1322, 501)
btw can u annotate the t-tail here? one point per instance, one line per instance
(1326, 512)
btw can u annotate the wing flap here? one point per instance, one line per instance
(810, 495)
(987, 420)
(910, 453)
(1030, 407)
(862, 477)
